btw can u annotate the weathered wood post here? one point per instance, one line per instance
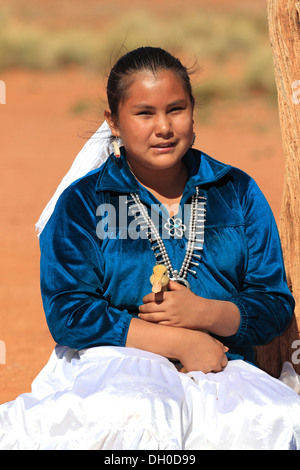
(284, 30)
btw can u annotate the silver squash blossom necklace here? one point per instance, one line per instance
(195, 235)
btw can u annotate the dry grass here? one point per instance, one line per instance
(234, 47)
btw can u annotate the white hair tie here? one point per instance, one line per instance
(92, 155)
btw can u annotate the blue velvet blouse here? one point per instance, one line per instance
(94, 274)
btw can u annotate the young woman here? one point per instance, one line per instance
(113, 381)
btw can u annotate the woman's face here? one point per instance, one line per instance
(155, 121)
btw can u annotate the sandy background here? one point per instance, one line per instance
(46, 119)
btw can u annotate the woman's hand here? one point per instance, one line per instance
(178, 307)
(196, 350)
(199, 351)
(181, 308)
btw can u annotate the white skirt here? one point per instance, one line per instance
(111, 398)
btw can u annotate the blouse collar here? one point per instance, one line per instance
(202, 170)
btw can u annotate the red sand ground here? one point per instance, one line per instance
(39, 138)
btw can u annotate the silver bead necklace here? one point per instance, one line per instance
(195, 235)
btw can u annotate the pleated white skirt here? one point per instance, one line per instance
(111, 398)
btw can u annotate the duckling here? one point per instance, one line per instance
(159, 278)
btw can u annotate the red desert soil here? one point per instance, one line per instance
(40, 135)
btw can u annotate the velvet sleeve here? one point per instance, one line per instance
(77, 313)
(265, 302)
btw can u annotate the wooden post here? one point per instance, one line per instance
(284, 30)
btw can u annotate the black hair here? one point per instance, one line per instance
(148, 58)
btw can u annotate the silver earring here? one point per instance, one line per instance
(116, 147)
(194, 138)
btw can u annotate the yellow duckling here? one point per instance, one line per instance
(159, 278)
